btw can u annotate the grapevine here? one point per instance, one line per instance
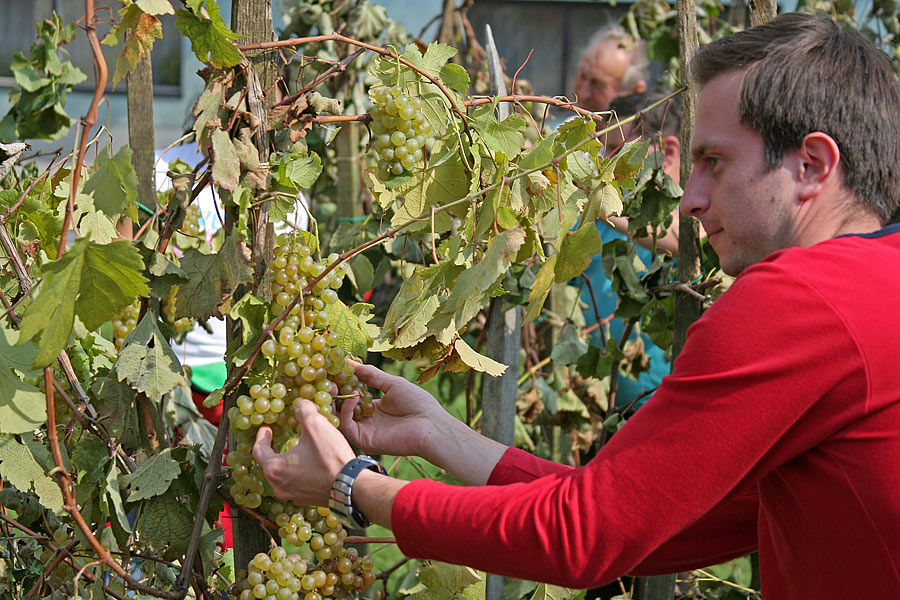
(400, 131)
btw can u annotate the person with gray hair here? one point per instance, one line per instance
(614, 64)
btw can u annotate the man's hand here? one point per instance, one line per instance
(304, 473)
(408, 421)
(405, 421)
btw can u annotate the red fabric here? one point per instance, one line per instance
(214, 415)
(779, 429)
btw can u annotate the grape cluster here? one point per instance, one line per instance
(182, 325)
(305, 361)
(191, 224)
(125, 322)
(400, 131)
(282, 576)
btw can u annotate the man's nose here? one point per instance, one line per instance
(695, 200)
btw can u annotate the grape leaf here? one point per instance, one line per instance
(155, 7)
(213, 279)
(140, 28)
(298, 170)
(20, 468)
(153, 477)
(210, 38)
(505, 136)
(455, 77)
(118, 412)
(605, 201)
(165, 272)
(415, 327)
(569, 347)
(226, 167)
(576, 251)
(484, 275)
(98, 228)
(445, 582)
(477, 361)
(114, 184)
(91, 457)
(165, 524)
(439, 184)
(350, 325)
(22, 406)
(251, 312)
(147, 362)
(541, 289)
(545, 591)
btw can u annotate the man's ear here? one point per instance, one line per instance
(818, 164)
(639, 88)
(671, 149)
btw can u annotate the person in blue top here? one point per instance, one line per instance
(661, 127)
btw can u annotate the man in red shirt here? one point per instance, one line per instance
(782, 411)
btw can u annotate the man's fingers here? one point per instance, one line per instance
(374, 376)
(348, 427)
(306, 410)
(262, 448)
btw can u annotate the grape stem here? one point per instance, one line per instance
(337, 37)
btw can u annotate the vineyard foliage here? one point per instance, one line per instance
(110, 478)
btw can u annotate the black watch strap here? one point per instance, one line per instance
(340, 501)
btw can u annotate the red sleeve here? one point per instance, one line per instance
(519, 466)
(736, 406)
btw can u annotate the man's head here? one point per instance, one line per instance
(661, 125)
(795, 139)
(613, 64)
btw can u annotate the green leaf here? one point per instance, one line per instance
(165, 272)
(444, 581)
(153, 477)
(210, 38)
(477, 361)
(165, 523)
(155, 7)
(546, 591)
(140, 28)
(415, 328)
(363, 273)
(226, 167)
(23, 407)
(353, 331)
(605, 201)
(484, 275)
(114, 184)
(213, 279)
(577, 250)
(147, 362)
(455, 77)
(251, 312)
(111, 502)
(569, 347)
(597, 362)
(541, 289)
(505, 136)
(91, 457)
(299, 170)
(97, 227)
(20, 468)
(115, 402)
(110, 281)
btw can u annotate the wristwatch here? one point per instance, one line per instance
(340, 501)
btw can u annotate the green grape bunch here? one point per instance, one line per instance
(125, 322)
(400, 131)
(182, 325)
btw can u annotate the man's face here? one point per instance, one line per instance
(599, 77)
(748, 212)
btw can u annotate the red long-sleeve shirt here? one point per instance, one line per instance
(778, 430)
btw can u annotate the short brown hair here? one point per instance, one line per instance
(803, 73)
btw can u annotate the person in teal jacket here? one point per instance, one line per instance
(661, 127)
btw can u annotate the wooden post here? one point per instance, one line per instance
(349, 183)
(140, 129)
(252, 19)
(504, 337)
(762, 11)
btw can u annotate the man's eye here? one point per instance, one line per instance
(712, 161)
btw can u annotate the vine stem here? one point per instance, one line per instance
(87, 121)
(551, 101)
(70, 503)
(337, 37)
